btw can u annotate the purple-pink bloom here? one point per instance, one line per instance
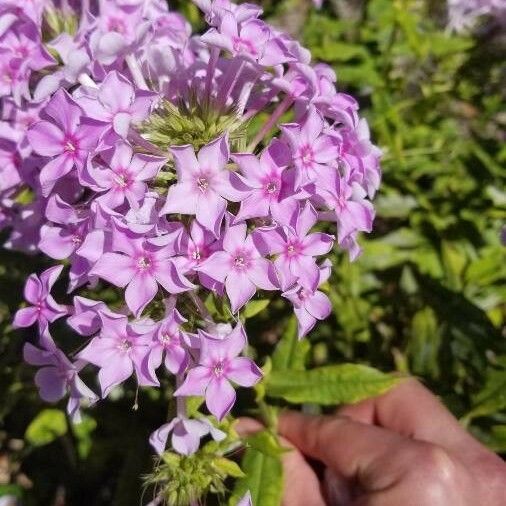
(186, 435)
(204, 184)
(252, 39)
(310, 305)
(168, 345)
(350, 208)
(119, 351)
(219, 363)
(246, 500)
(117, 103)
(312, 148)
(141, 264)
(123, 177)
(64, 135)
(44, 308)
(240, 266)
(296, 249)
(271, 191)
(57, 377)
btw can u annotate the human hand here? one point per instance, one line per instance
(403, 448)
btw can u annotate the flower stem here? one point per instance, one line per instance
(275, 116)
(211, 69)
(135, 70)
(201, 308)
(86, 80)
(180, 401)
(229, 81)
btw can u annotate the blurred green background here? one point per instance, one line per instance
(427, 297)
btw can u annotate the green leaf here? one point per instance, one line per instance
(228, 467)
(291, 352)
(263, 478)
(83, 433)
(254, 307)
(329, 385)
(493, 396)
(48, 425)
(424, 343)
(266, 442)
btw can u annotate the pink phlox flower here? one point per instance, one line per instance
(44, 309)
(251, 39)
(118, 351)
(140, 264)
(186, 435)
(57, 377)
(204, 184)
(66, 231)
(219, 364)
(214, 10)
(313, 149)
(241, 266)
(121, 176)
(10, 165)
(64, 135)
(349, 208)
(117, 103)
(271, 191)
(85, 317)
(119, 29)
(169, 343)
(310, 305)
(296, 248)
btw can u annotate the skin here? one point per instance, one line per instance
(403, 448)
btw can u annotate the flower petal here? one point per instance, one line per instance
(220, 397)
(243, 371)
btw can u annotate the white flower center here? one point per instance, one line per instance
(125, 345)
(144, 263)
(202, 184)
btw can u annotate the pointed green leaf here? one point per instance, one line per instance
(329, 385)
(263, 477)
(291, 352)
(228, 467)
(254, 307)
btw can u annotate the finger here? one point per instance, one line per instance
(351, 449)
(413, 411)
(301, 485)
(336, 489)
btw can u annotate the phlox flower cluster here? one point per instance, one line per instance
(171, 167)
(463, 14)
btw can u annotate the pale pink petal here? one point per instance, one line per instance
(220, 397)
(181, 199)
(243, 371)
(195, 383)
(52, 387)
(317, 244)
(186, 162)
(46, 139)
(217, 266)
(239, 290)
(318, 305)
(214, 156)
(263, 274)
(115, 268)
(114, 373)
(210, 211)
(140, 292)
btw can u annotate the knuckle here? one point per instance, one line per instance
(436, 463)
